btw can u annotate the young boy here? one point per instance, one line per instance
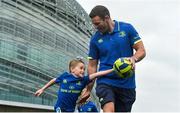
(87, 106)
(71, 85)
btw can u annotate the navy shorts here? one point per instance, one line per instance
(122, 98)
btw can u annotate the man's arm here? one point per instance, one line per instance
(92, 68)
(139, 54)
(140, 51)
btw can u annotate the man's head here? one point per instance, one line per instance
(77, 67)
(100, 11)
(100, 16)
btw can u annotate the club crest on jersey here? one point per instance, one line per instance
(64, 81)
(100, 40)
(78, 83)
(137, 37)
(101, 99)
(71, 87)
(122, 34)
(89, 109)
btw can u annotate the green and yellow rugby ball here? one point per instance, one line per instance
(123, 68)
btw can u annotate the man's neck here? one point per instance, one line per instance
(111, 26)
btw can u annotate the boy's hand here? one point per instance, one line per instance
(39, 92)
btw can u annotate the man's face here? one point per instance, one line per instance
(100, 24)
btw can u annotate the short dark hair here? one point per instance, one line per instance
(100, 11)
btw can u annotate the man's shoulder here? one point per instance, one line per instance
(96, 35)
(124, 24)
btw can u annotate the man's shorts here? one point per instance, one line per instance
(122, 98)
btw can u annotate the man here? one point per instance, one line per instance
(113, 40)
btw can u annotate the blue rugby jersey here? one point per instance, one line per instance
(89, 106)
(69, 91)
(107, 48)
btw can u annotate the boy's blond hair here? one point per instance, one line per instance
(73, 63)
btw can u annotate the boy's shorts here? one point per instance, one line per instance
(122, 98)
(60, 110)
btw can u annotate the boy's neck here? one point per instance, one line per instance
(74, 75)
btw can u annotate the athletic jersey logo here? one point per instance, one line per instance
(89, 109)
(137, 37)
(122, 34)
(100, 40)
(101, 99)
(71, 87)
(78, 83)
(65, 81)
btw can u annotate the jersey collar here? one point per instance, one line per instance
(116, 27)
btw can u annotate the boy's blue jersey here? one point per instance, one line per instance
(89, 106)
(107, 48)
(69, 91)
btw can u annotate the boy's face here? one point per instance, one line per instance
(78, 70)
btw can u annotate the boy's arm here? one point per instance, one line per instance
(100, 73)
(89, 87)
(40, 91)
(92, 68)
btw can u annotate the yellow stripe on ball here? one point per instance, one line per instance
(123, 67)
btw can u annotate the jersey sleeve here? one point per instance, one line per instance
(86, 80)
(95, 109)
(134, 36)
(59, 78)
(79, 109)
(93, 50)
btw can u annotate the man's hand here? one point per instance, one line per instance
(133, 60)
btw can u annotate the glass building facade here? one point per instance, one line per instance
(38, 38)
